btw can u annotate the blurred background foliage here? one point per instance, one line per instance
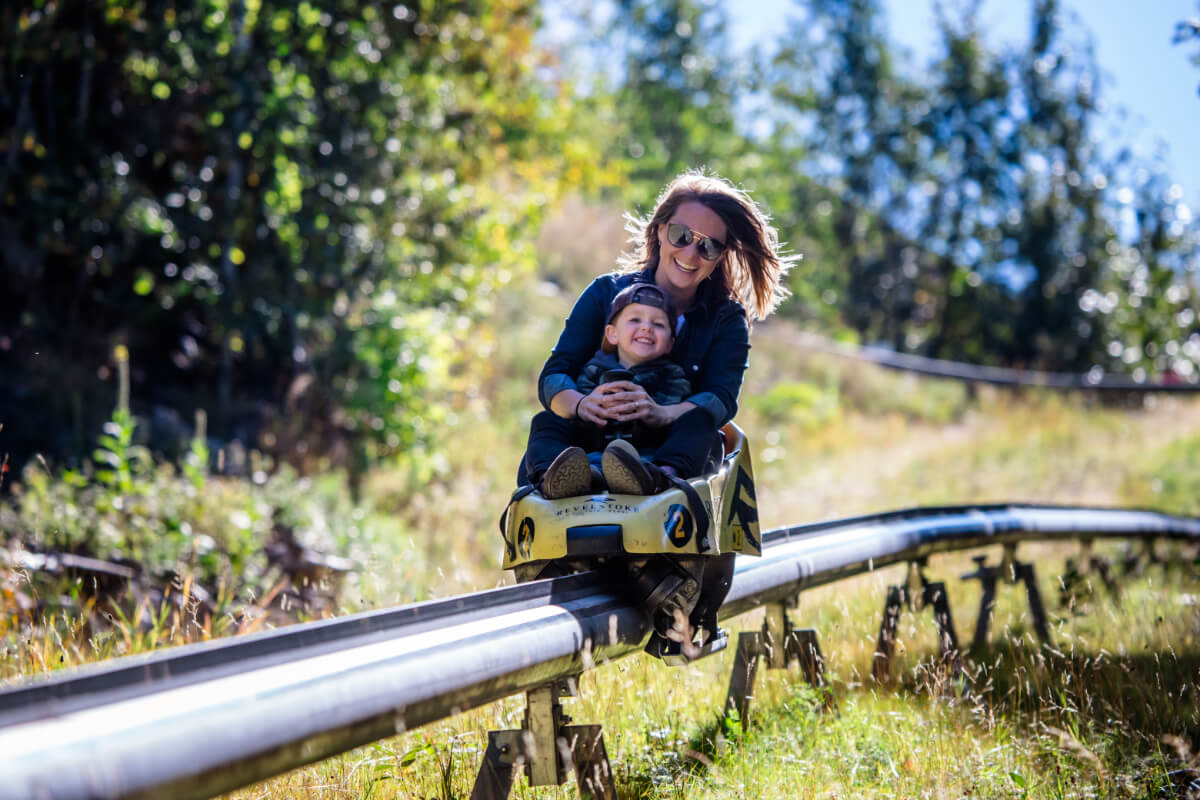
(289, 214)
(303, 218)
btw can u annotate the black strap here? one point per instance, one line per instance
(520, 493)
(698, 511)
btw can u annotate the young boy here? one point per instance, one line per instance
(638, 337)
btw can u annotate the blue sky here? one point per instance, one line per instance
(1147, 77)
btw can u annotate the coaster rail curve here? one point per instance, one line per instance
(199, 720)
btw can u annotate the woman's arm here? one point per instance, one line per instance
(661, 416)
(668, 393)
(722, 368)
(566, 402)
(576, 344)
(625, 400)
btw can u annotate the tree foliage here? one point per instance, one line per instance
(1188, 30)
(974, 212)
(293, 215)
(286, 211)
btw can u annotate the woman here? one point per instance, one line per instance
(710, 249)
(714, 254)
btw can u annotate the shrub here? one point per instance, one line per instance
(797, 401)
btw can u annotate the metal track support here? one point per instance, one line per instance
(1137, 559)
(547, 747)
(780, 645)
(925, 594)
(1012, 572)
(1076, 585)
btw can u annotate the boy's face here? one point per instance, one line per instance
(640, 333)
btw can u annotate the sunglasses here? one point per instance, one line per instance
(680, 235)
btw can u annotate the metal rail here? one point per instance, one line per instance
(204, 719)
(1094, 380)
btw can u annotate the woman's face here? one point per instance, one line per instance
(681, 269)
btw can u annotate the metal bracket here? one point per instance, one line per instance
(546, 746)
(1075, 583)
(1136, 560)
(924, 594)
(780, 645)
(1012, 572)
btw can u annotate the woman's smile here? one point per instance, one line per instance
(682, 269)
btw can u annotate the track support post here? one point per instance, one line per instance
(1137, 559)
(780, 645)
(1012, 572)
(547, 747)
(1076, 584)
(916, 593)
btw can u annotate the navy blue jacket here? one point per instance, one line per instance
(712, 346)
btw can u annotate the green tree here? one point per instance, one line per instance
(676, 95)
(284, 209)
(860, 117)
(966, 188)
(663, 80)
(1146, 306)
(973, 211)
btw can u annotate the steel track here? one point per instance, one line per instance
(203, 719)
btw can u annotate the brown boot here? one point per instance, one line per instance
(569, 475)
(626, 473)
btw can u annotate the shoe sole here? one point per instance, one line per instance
(570, 478)
(624, 472)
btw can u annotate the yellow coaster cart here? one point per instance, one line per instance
(673, 550)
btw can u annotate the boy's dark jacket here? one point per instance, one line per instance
(663, 379)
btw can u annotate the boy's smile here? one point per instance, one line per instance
(640, 333)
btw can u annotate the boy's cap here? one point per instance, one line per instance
(646, 294)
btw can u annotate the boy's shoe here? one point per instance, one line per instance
(569, 475)
(626, 473)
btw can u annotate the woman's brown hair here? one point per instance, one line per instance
(753, 265)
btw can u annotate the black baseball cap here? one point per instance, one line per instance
(646, 294)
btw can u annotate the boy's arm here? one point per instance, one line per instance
(674, 386)
(589, 379)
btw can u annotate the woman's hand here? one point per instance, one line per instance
(591, 408)
(625, 401)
